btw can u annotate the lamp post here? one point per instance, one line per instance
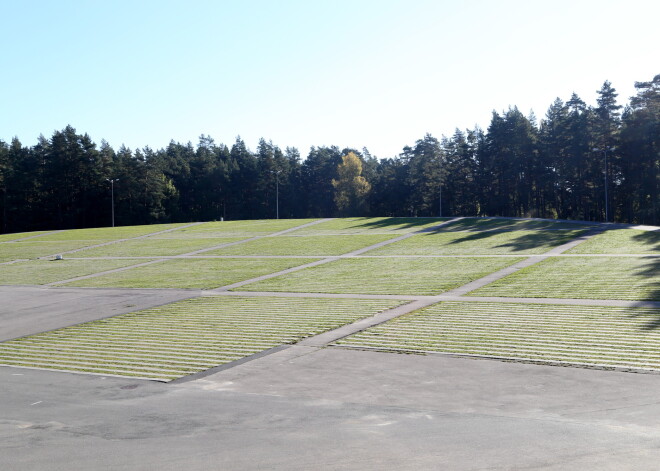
(604, 151)
(277, 191)
(112, 197)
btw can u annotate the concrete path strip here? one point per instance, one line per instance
(32, 236)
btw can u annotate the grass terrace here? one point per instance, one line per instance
(621, 241)
(153, 247)
(192, 273)
(187, 337)
(103, 234)
(397, 226)
(479, 243)
(35, 248)
(578, 335)
(415, 276)
(488, 224)
(626, 278)
(39, 272)
(20, 235)
(303, 245)
(240, 229)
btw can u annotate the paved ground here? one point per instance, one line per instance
(306, 408)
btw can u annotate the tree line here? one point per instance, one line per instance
(579, 162)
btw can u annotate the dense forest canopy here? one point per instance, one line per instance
(578, 162)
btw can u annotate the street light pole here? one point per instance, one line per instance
(277, 191)
(607, 205)
(112, 197)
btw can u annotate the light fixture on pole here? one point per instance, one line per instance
(607, 205)
(277, 191)
(112, 197)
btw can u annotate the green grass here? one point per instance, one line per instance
(484, 224)
(151, 247)
(35, 248)
(19, 235)
(478, 243)
(415, 276)
(582, 335)
(370, 225)
(627, 278)
(303, 245)
(37, 272)
(179, 339)
(621, 241)
(192, 273)
(236, 228)
(102, 234)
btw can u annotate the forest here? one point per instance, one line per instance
(580, 162)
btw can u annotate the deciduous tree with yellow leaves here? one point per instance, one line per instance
(351, 188)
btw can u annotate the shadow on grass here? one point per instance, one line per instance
(483, 224)
(651, 269)
(401, 223)
(545, 240)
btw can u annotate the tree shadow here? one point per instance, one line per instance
(651, 269)
(400, 223)
(544, 240)
(502, 224)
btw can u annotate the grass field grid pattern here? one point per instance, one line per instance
(35, 248)
(168, 342)
(479, 243)
(241, 229)
(487, 224)
(303, 245)
(621, 241)
(625, 278)
(191, 273)
(103, 234)
(153, 247)
(580, 335)
(392, 225)
(414, 276)
(39, 272)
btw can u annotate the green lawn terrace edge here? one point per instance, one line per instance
(405, 276)
(241, 228)
(154, 247)
(186, 337)
(479, 243)
(192, 273)
(621, 241)
(38, 272)
(36, 248)
(103, 234)
(382, 225)
(512, 224)
(318, 245)
(20, 235)
(626, 338)
(623, 278)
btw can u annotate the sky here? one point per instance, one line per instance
(358, 73)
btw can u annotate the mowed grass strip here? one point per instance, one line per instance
(621, 241)
(415, 276)
(102, 234)
(478, 243)
(581, 335)
(152, 247)
(167, 342)
(303, 245)
(484, 224)
(242, 229)
(39, 272)
(35, 248)
(625, 278)
(192, 273)
(370, 226)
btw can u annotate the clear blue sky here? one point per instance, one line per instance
(354, 73)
